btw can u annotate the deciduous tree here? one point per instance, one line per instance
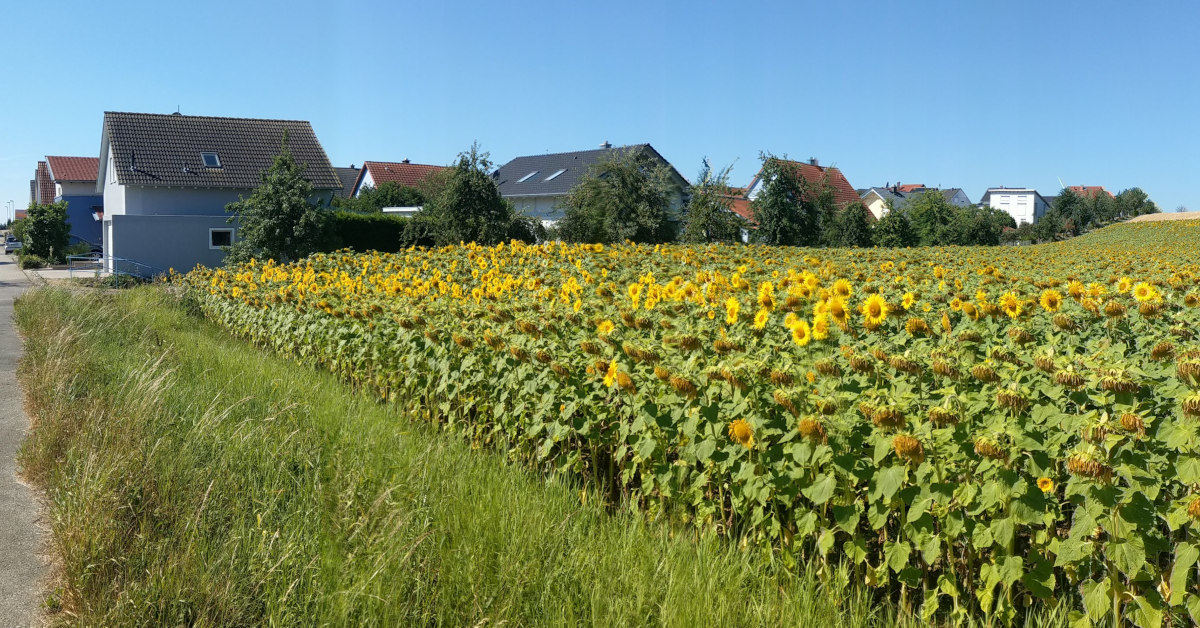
(624, 197)
(278, 221)
(709, 216)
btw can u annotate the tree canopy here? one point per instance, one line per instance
(709, 215)
(278, 221)
(467, 207)
(46, 232)
(624, 197)
(789, 209)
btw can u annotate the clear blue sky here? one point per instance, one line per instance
(957, 94)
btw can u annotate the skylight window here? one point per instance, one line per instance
(211, 160)
(527, 177)
(551, 177)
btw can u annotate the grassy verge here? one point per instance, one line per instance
(197, 481)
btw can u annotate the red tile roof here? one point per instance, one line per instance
(80, 169)
(741, 206)
(909, 187)
(45, 184)
(406, 174)
(1088, 191)
(843, 192)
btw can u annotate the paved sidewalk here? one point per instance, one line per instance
(22, 568)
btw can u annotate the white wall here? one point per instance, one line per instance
(876, 205)
(1022, 205)
(544, 208)
(367, 181)
(74, 189)
(114, 193)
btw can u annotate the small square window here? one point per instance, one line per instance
(219, 238)
(211, 160)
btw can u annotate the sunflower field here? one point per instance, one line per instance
(972, 428)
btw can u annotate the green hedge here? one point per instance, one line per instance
(371, 232)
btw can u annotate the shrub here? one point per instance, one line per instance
(31, 260)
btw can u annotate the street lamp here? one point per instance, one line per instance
(12, 213)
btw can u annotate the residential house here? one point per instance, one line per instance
(811, 171)
(877, 199)
(405, 173)
(166, 180)
(41, 188)
(1025, 205)
(348, 177)
(539, 184)
(1089, 191)
(74, 180)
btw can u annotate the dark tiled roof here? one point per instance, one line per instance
(164, 150)
(400, 173)
(74, 169)
(348, 177)
(45, 184)
(573, 166)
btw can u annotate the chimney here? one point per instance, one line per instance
(606, 144)
(405, 161)
(812, 161)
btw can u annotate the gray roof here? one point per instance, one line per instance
(899, 198)
(574, 166)
(348, 176)
(164, 150)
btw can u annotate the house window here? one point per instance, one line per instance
(556, 174)
(211, 160)
(526, 177)
(218, 238)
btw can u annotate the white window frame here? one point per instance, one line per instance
(528, 176)
(204, 159)
(212, 230)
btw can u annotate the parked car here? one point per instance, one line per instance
(12, 245)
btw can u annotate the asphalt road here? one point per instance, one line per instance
(22, 568)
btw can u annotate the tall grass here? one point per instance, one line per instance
(197, 481)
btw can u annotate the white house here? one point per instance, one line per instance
(876, 199)
(166, 180)
(1025, 205)
(538, 184)
(403, 173)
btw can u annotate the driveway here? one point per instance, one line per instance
(22, 569)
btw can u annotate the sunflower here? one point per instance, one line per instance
(801, 333)
(820, 327)
(1076, 289)
(909, 300)
(605, 327)
(839, 313)
(766, 295)
(1011, 304)
(610, 377)
(732, 307)
(1125, 284)
(1045, 484)
(842, 288)
(875, 311)
(740, 431)
(1051, 300)
(760, 319)
(1145, 292)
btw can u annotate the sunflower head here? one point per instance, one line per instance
(1046, 485)
(875, 310)
(741, 432)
